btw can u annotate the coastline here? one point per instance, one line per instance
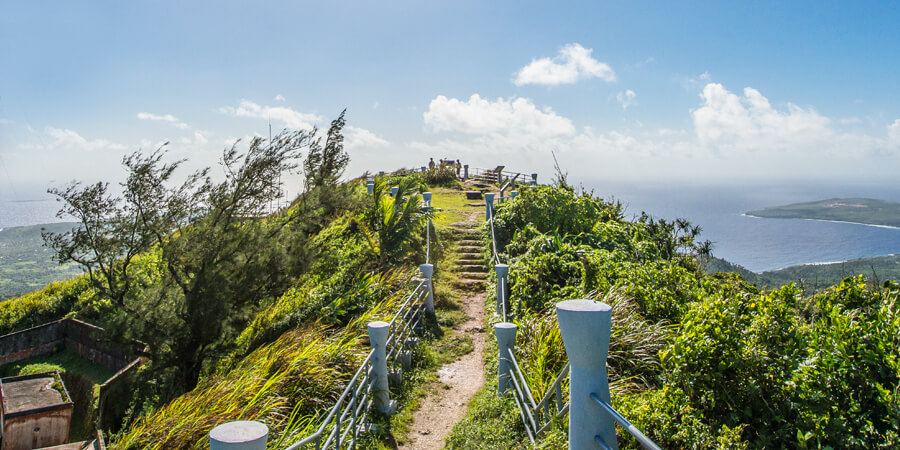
(890, 227)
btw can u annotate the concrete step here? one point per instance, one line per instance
(468, 249)
(474, 259)
(474, 275)
(469, 285)
(468, 268)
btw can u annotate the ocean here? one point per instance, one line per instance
(19, 213)
(755, 243)
(761, 244)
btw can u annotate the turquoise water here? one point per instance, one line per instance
(756, 243)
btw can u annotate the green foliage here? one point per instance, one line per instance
(325, 164)
(46, 305)
(552, 210)
(443, 175)
(392, 224)
(697, 360)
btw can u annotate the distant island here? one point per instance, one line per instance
(865, 211)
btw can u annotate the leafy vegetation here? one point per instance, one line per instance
(700, 360)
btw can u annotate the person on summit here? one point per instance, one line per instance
(431, 164)
(458, 167)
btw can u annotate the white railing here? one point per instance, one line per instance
(586, 327)
(368, 389)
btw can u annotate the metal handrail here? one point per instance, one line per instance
(631, 429)
(317, 436)
(494, 241)
(359, 388)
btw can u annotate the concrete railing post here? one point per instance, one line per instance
(506, 341)
(394, 191)
(513, 194)
(465, 172)
(239, 435)
(427, 197)
(502, 280)
(585, 326)
(488, 205)
(370, 187)
(378, 335)
(534, 178)
(428, 273)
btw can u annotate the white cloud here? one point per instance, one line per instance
(513, 116)
(573, 63)
(626, 98)
(279, 98)
(164, 118)
(356, 138)
(70, 140)
(6, 122)
(287, 116)
(730, 136)
(894, 133)
(198, 139)
(726, 120)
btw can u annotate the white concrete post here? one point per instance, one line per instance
(378, 335)
(394, 190)
(585, 326)
(427, 197)
(370, 187)
(239, 435)
(465, 172)
(427, 273)
(513, 194)
(506, 341)
(488, 205)
(502, 280)
(534, 178)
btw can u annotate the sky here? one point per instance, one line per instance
(765, 91)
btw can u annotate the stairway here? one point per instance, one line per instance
(470, 268)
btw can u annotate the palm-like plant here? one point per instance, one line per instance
(392, 222)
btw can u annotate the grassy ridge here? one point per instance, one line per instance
(856, 210)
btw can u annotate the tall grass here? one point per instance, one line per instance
(285, 384)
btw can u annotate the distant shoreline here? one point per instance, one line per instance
(890, 227)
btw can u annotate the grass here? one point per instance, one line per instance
(64, 361)
(452, 203)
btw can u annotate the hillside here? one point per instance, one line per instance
(26, 264)
(813, 278)
(696, 360)
(856, 210)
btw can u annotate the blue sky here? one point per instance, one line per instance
(619, 90)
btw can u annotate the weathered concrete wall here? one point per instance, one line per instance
(39, 340)
(37, 429)
(85, 339)
(80, 337)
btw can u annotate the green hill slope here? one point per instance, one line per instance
(25, 264)
(857, 210)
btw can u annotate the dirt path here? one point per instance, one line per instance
(447, 404)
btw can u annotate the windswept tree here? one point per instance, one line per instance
(392, 223)
(211, 255)
(325, 164)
